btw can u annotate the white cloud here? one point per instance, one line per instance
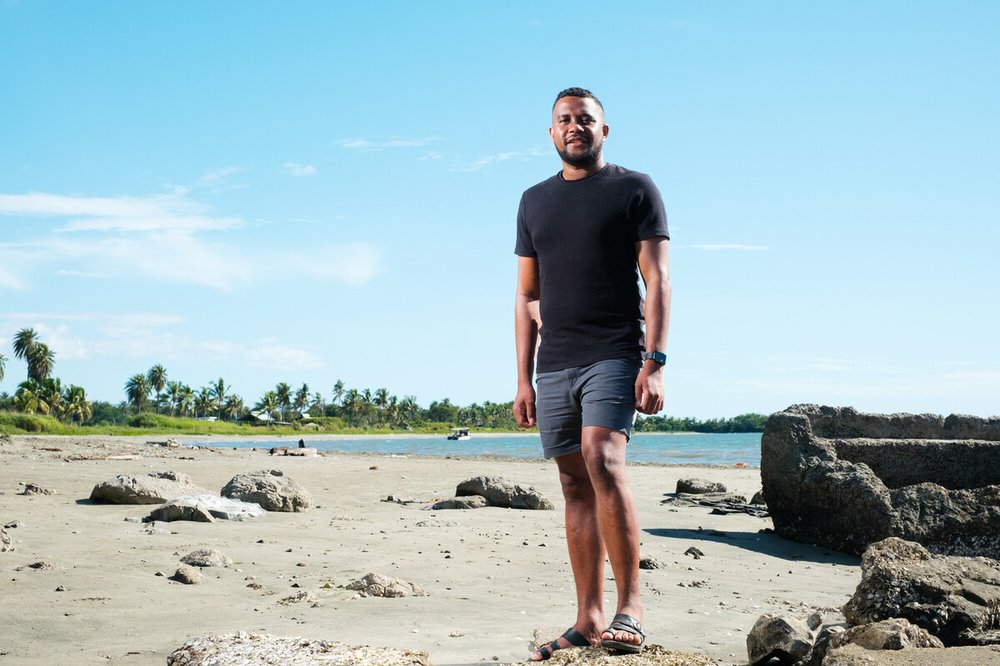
(220, 175)
(300, 170)
(487, 160)
(350, 263)
(83, 274)
(392, 142)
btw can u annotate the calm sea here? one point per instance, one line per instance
(664, 448)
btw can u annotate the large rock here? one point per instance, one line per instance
(154, 488)
(892, 634)
(501, 492)
(842, 479)
(259, 648)
(269, 488)
(207, 557)
(954, 598)
(205, 509)
(786, 639)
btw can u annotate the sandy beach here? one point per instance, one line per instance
(494, 577)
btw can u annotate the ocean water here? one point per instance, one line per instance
(663, 448)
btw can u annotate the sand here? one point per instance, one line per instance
(494, 577)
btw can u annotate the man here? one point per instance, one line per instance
(580, 236)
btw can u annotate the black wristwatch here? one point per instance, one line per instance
(655, 357)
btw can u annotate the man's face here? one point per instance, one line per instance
(578, 130)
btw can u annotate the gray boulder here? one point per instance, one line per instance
(956, 599)
(205, 509)
(786, 639)
(700, 486)
(501, 492)
(467, 502)
(154, 488)
(207, 557)
(271, 489)
(843, 479)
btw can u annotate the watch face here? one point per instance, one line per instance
(656, 357)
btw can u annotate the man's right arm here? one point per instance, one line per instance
(525, 339)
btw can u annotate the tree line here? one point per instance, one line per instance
(154, 392)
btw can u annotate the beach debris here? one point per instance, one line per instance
(14, 524)
(786, 639)
(34, 489)
(436, 523)
(204, 509)
(153, 488)
(403, 500)
(694, 552)
(720, 503)
(5, 544)
(207, 557)
(468, 502)
(302, 451)
(262, 648)
(699, 486)
(269, 488)
(298, 598)
(498, 491)
(652, 655)
(60, 588)
(841, 479)
(170, 443)
(188, 575)
(954, 598)
(377, 585)
(38, 566)
(650, 563)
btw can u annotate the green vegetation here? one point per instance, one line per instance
(155, 404)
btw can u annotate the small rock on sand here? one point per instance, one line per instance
(188, 576)
(207, 557)
(204, 508)
(5, 544)
(33, 489)
(377, 585)
(699, 486)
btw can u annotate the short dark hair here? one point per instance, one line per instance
(577, 92)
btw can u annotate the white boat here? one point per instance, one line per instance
(459, 434)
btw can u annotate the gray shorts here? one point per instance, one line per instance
(566, 401)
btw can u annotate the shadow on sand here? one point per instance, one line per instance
(761, 542)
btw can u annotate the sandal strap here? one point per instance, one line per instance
(575, 638)
(623, 622)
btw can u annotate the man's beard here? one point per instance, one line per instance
(587, 158)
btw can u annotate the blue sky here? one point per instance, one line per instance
(308, 191)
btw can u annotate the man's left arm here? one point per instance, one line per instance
(654, 266)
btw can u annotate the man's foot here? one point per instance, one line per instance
(625, 634)
(570, 638)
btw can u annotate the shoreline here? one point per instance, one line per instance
(495, 578)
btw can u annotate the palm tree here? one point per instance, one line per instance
(352, 406)
(185, 400)
(204, 402)
(24, 342)
(157, 378)
(28, 400)
(173, 395)
(284, 394)
(40, 362)
(76, 405)
(51, 394)
(219, 390)
(301, 400)
(268, 404)
(233, 406)
(137, 391)
(338, 391)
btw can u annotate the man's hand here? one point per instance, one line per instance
(524, 406)
(648, 388)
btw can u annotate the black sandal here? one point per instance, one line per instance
(575, 638)
(627, 623)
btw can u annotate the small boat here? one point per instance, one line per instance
(459, 434)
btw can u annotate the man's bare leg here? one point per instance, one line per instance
(586, 548)
(603, 451)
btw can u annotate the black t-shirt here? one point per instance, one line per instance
(583, 233)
